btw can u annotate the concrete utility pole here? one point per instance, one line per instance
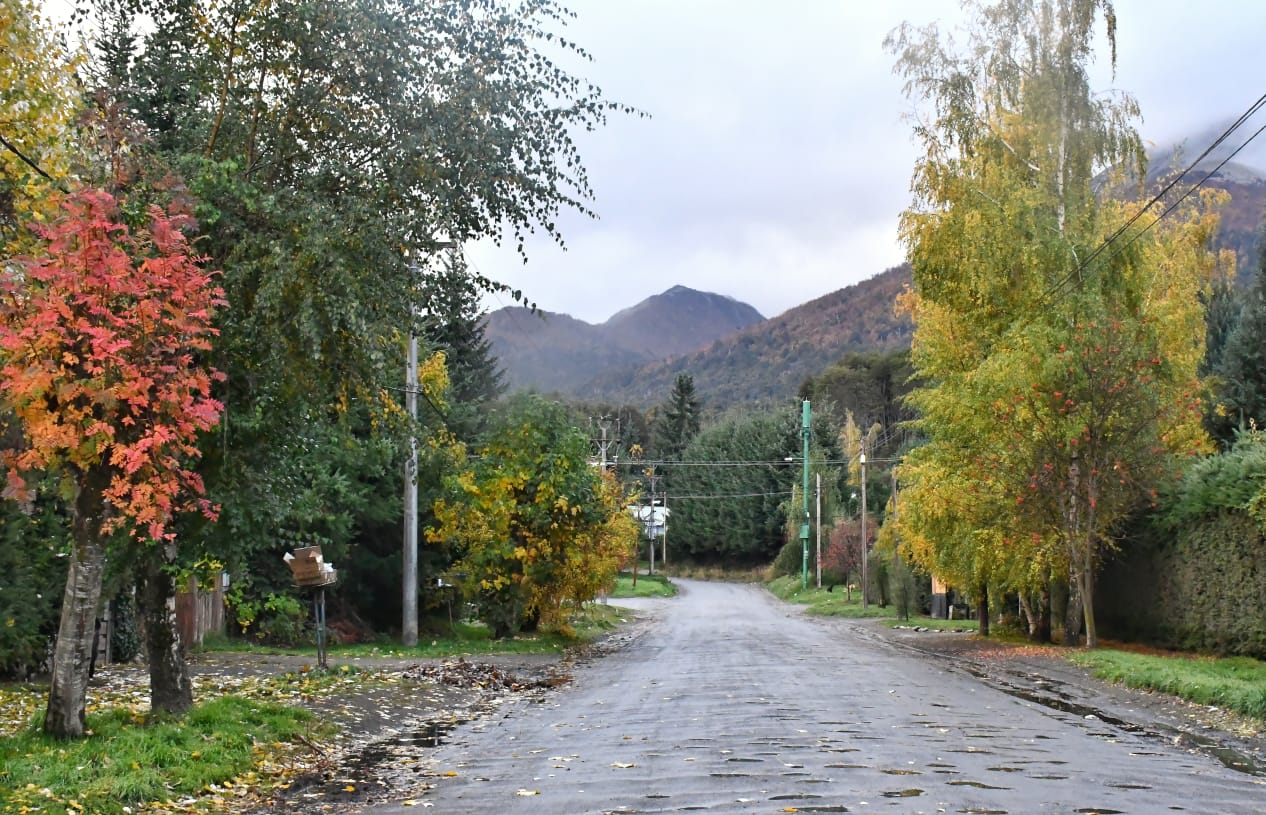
(409, 626)
(654, 479)
(409, 590)
(818, 499)
(865, 547)
(804, 527)
(604, 426)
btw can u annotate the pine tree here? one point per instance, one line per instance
(455, 325)
(1240, 388)
(680, 421)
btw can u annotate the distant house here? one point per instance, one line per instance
(654, 519)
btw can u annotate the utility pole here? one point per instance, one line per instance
(865, 546)
(804, 527)
(409, 627)
(663, 538)
(654, 479)
(409, 590)
(819, 509)
(604, 426)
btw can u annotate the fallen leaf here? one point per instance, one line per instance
(621, 765)
(526, 793)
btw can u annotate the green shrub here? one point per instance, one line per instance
(34, 575)
(283, 621)
(1201, 587)
(790, 560)
(125, 633)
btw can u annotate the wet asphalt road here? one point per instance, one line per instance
(734, 702)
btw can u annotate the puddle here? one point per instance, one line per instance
(980, 785)
(909, 793)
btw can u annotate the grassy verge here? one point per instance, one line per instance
(245, 737)
(1233, 683)
(655, 585)
(128, 761)
(825, 603)
(464, 639)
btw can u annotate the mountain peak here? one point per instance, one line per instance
(561, 353)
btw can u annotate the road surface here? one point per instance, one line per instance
(735, 702)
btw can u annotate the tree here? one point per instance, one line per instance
(37, 84)
(454, 324)
(1058, 341)
(533, 523)
(329, 144)
(103, 335)
(729, 493)
(679, 422)
(1240, 385)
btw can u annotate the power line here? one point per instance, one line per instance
(1116, 235)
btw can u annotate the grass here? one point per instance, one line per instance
(655, 585)
(825, 603)
(1232, 683)
(240, 738)
(129, 760)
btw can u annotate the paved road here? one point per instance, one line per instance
(734, 702)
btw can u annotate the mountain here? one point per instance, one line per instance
(557, 353)
(770, 360)
(1242, 218)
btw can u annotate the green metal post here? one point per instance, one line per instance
(804, 527)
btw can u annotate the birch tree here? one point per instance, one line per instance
(1058, 354)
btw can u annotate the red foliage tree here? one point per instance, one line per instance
(101, 336)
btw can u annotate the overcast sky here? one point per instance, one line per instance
(776, 159)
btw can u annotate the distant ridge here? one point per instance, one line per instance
(769, 361)
(556, 353)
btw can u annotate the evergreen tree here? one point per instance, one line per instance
(1240, 388)
(680, 420)
(455, 325)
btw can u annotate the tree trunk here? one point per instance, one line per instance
(1043, 633)
(982, 609)
(170, 686)
(1088, 596)
(76, 635)
(1073, 613)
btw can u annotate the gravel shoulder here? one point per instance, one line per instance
(1042, 676)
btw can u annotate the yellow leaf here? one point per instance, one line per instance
(350, 788)
(526, 793)
(450, 774)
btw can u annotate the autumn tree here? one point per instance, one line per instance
(532, 522)
(103, 333)
(1057, 340)
(330, 143)
(38, 102)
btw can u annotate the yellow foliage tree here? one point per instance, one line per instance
(38, 103)
(533, 523)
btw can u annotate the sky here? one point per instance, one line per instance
(777, 155)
